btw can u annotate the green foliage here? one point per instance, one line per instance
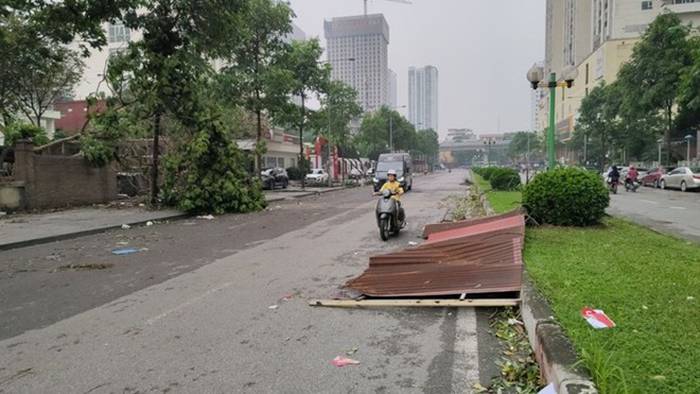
(505, 179)
(295, 173)
(339, 107)
(207, 174)
(21, 130)
(373, 138)
(645, 281)
(566, 197)
(96, 151)
(524, 143)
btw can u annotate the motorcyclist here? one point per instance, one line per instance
(396, 190)
(632, 175)
(614, 175)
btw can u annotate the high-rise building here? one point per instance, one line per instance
(423, 97)
(393, 89)
(357, 49)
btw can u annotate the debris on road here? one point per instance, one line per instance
(548, 389)
(343, 361)
(149, 223)
(352, 351)
(273, 307)
(473, 256)
(125, 227)
(412, 243)
(124, 251)
(84, 267)
(597, 318)
(122, 243)
(287, 297)
(206, 217)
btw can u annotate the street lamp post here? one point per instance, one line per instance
(391, 128)
(687, 139)
(488, 142)
(659, 142)
(536, 76)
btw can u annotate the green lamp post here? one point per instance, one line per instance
(536, 76)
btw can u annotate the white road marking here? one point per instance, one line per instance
(681, 208)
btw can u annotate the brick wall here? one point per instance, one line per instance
(52, 181)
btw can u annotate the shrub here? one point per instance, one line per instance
(21, 130)
(566, 197)
(505, 179)
(295, 173)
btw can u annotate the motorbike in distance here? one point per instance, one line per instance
(612, 184)
(387, 213)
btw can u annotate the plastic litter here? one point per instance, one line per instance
(412, 243)
(597, 318)
(287, 297)
(206, 217)
(352, 351)
(122, 243)
(273, 307)
(548, 389)
(343, 361)
(125, 226)
(149, 223)
(124, 251)
(689, 298)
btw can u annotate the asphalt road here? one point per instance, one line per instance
(669, 211)
(201, 308)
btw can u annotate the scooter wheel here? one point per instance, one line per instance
(384, 229)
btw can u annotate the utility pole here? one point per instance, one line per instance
(551, 155)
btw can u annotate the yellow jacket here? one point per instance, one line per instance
(395, 187)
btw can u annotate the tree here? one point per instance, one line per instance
(254, 72)
(43, 80)
(525, 145)
(376, 130)
(598, 121)
(650, 81)
(427, 142)
(166, 69)
(305, 77)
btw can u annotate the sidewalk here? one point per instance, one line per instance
(30, 229)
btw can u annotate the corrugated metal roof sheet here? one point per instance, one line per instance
(474, 256)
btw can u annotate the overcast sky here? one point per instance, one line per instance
(482, 49)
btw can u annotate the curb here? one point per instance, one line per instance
(553, 349)
(76, 234)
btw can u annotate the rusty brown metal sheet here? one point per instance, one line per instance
(483, 256)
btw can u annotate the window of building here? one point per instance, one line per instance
(117, 32)
(646, 5)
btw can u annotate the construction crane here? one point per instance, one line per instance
(395, 1)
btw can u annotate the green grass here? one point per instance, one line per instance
(648, 283)
(501, 201)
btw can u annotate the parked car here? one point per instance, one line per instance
(653, 177)
(683, 178)
(317, 175)
(274, 177)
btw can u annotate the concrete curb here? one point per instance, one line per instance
(553, 350)
(80, 233)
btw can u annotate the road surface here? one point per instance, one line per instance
(669, 211)
(200, 308)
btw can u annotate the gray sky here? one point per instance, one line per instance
(482, 49)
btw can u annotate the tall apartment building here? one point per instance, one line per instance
(597, 37)
(357, 48)
(423, 97)
(393, 89)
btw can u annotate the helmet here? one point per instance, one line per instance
(391, 172)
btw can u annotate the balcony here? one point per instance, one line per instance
(682, 6)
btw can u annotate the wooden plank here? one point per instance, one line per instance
(444, 303)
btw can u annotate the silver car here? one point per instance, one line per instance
(683, 178)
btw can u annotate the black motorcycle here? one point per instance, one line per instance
(388, 212)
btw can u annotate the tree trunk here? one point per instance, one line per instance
(667, 135)
(156, 154)
(258, 159)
